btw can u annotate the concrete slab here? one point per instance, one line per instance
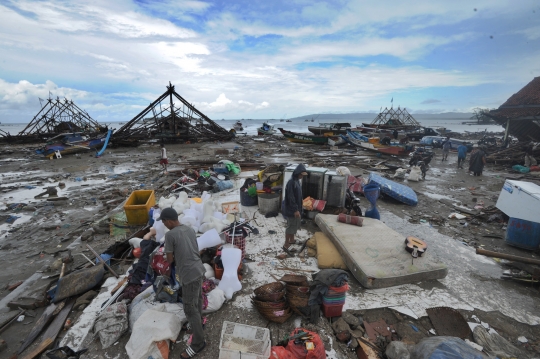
(375, 254)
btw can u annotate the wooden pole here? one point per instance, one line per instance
(102, 261)
(507, 256)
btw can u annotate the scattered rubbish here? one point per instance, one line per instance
(111, 324)
(448, 322)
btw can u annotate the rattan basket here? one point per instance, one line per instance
(278, 319)
(294, 279)
(271, 292)
(274, 305)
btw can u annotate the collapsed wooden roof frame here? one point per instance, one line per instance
(58, 111)
(401, 114)
(199, 126)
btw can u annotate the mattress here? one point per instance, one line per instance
(395, 190)
(375, 254)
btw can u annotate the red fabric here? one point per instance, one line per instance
(354, 220)
(281, 353)
(534, 168)
(163, 161)
(160, 264)
(299, 350)
(318, 205)
(357, 184)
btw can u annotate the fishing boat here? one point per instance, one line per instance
(266, 129)
(238, 126)
(337, 128)
(313, 139)
(373, 144)
(288, 121)
(68, 143)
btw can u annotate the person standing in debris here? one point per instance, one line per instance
(292, 207)
(446, 146)
(461, 155)
(395, 133)
(181, 248)
(477, 161)
(163, 161)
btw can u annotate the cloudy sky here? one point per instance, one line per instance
(266, 59)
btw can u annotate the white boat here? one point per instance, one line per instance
(238, 126)
(266, 129)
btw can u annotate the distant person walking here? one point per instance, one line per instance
(292, 207)
(396, 134)
(461, 155)
(164, 161)
(477, 161)
(446, 146)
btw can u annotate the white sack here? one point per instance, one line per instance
(216, 298)
(153, 326)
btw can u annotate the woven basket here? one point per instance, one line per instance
(274, 297)
(294, 279)
(278, 319)
(298, 291)
(274, 305)
(298, 301)
(269, 288)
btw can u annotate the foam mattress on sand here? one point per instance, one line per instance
(376, 255)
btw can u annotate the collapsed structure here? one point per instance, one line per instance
(169, 121)
(55, 117)
(520, 114)
(394, 118)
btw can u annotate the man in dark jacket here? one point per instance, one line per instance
(292, 206)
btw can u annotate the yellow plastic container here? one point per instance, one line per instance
(138, 205)
(374, 140)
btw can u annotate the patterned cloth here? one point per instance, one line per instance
(207, 286)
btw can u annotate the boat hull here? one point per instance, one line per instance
(387, 150)
(302, 138)
(261, 132)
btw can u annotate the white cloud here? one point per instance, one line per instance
(24, 92)
(222, 104)
(531, 33)
(95, 17)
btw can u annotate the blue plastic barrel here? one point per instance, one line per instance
(523, 234)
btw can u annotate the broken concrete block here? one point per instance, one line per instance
(397, 350)
(340, 325)
(87, 235)
(351, 320)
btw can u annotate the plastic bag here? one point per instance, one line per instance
(216, 298)
(281, 353)
(416, 174)
(233, 167)
(400, 173)
(494, 345)
(299, 350)
(521, 169)
(445, 348)
(111, 324)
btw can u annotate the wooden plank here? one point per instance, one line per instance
(40, 349)
(45, 319)
(58, 322)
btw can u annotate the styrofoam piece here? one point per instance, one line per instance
(209, 239)
(231, 258)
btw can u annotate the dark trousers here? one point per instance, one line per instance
(460, 161)
(192, 300)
